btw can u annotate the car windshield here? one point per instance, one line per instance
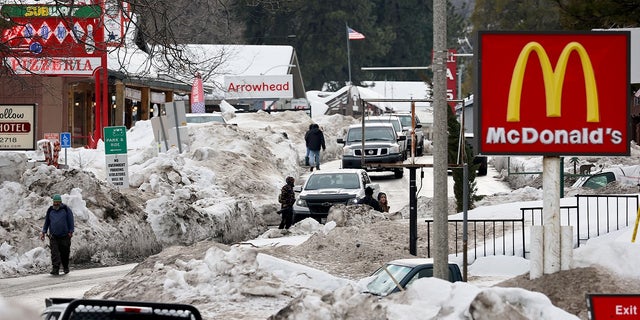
(371, 133)
(382, 283)
(204, 118)
(396, 125)
(333, 180)
(406, 120)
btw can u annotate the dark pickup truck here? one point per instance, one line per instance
(398, 274)
(88, 309)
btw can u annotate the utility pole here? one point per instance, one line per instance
(440, 161)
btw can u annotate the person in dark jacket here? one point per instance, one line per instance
(306, 157)
(287, 198)
(369, 200)
(315, 140)
(59, 223)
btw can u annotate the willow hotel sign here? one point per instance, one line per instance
(553, 93)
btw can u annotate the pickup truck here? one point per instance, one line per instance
(81, 309)
(401, 273)
(381, 148)
(325, 188)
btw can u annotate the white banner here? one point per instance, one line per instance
(117, 170)
(259, 87)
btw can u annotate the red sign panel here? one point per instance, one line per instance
(553, 93)
(452, 78)
(614, 306)
(53, 40)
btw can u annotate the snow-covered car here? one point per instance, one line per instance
(325, 188)
(205, 118)
(401, 273)
(397, 125)
(624, 175)
(382, 149)
(81, 309)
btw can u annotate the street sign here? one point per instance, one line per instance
(52, 136)
(115, 140)
(65, 140)
(117, 170)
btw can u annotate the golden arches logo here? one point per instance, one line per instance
(553, 81)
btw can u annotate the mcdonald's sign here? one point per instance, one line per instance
(553, 93)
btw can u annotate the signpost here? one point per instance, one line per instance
(65, 143)
(115, 149)
(553, 94)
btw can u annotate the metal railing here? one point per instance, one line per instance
(491, 236)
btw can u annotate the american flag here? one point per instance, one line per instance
(354, 35)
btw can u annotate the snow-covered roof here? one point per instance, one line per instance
(212, 61)
(401, 90)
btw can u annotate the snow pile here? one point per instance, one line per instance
(222, 186)
(220, 280)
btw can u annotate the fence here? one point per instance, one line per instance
(507, 236)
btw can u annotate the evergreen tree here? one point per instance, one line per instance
(398, 33)
(453, 145)
(595, 14)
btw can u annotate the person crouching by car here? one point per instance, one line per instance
(286, 198)
(369, 200)
(382, 200)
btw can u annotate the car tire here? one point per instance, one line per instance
(398, 173)
(420, 150)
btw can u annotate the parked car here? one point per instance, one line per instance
(405, 119)
(81, 309)
(205, 117)
(381, 148)
(325, 188)
(625, 175)
(405, 272)
(397, 125)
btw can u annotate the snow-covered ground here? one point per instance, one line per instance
(202, 217)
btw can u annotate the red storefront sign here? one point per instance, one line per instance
(48, 39)
(553, 93)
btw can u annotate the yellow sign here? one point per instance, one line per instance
(553, 81)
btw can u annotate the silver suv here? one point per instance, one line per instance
(405, 119)
(397, 125)
(382, 149)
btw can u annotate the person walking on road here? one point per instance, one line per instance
(315, 140)
(287, 198)
(59, 223)
(306, 156)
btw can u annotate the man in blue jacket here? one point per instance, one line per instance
(59, 223)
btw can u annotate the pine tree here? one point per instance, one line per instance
(457, 171)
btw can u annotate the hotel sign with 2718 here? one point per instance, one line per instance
(553, 93)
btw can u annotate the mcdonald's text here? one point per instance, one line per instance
(545, 137)
(553, 93)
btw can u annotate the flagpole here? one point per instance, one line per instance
(348, 52)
